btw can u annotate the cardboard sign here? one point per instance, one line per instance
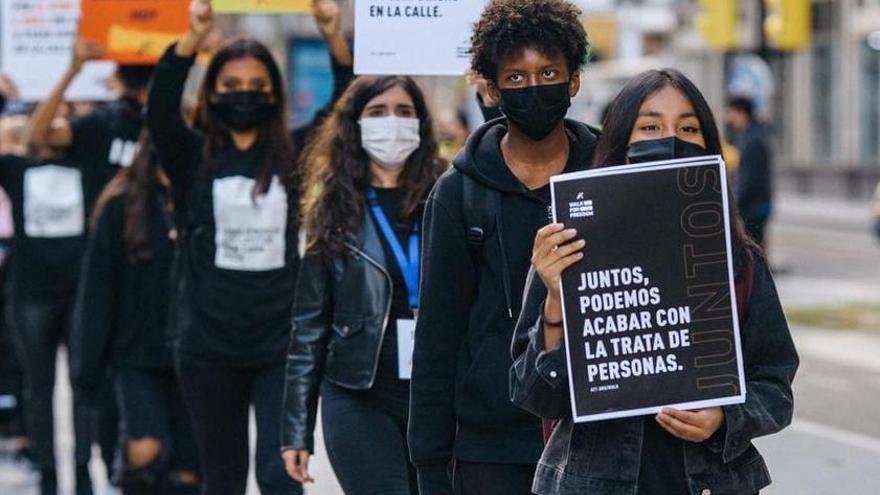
(262, 6)
(37, 38)
(650, 311)
(416, 37)
(134, 31)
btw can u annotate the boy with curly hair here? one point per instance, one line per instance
(465, 435)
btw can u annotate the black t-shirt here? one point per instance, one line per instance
(50, 201)
(661, 471)
(387, 377)
(107, 138)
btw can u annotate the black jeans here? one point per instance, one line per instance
(151, 405)
(365, 437)
(38, 328)
(471, 478)
(218, 399)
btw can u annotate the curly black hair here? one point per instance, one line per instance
(508, 26)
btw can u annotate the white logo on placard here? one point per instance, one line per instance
(580, 207)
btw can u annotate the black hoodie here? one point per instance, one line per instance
(459, 405)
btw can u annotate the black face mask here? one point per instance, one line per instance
(655, 150)
(536, 110)
(243, 110)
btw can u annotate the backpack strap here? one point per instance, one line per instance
(479, 208)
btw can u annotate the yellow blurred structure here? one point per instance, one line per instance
(717, 22)
(788, 24)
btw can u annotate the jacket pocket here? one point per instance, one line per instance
(347, 326)
(485, 397)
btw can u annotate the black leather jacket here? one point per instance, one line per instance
(339, 318)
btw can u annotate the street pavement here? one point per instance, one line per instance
(823, 255)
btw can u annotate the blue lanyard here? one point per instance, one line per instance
(409, 265)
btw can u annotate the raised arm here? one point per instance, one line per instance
(44, 130)
(176, 144)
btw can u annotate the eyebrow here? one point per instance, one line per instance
(654, 113)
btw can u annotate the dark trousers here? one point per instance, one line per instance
(10, 385)
(365, 436)
(38, 328)
(218, 399)
(151, 405)
(471, 478)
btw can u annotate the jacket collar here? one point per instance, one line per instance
(369, 242)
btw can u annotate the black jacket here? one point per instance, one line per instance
(469, 302)
(753, 180)
(603, 457)
(340, 314)
(121, 308)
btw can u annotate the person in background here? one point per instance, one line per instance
(235, 188)
(49, 195)
(120, 322)
(368, 173)
(876, 211)
(465, 436)
(659, 115)
(753, 181)
(452, 133)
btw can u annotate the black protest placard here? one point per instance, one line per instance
(650, 311)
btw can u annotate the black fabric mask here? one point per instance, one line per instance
(243, 110)
(536, 110)
(655, 150)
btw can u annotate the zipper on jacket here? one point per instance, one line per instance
(387, 308)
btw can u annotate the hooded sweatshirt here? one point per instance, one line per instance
(470, 300)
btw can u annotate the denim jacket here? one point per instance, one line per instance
(603, 458)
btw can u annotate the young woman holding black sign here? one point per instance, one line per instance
(659, 115)
(235, 194)
(369, 171)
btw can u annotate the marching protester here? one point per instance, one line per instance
(465, 436)
(659, 115)
(369, 171)
(235, 193)
(105, 138)
(754, 176)
(49, 196)
(120, 321)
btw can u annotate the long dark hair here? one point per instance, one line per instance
(273, 138)
(618, 126)
(139, 185)
(337, 169)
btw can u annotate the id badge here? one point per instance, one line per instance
(406, 337)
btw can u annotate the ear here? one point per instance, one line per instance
(574, 85)
(493, 91)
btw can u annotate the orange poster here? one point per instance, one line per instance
(134, 31)
(262, 6)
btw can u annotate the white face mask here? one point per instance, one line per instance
(389, 141)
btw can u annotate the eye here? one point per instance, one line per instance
(406, 112)
(689, 129)
(550, 74)
(376, 112)
(516, 78)
(649, 128)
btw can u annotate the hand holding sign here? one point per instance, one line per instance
(691, 426)
(201, 18)
(327, 16)
(201, 24)
(83, 51)
(553, 252)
